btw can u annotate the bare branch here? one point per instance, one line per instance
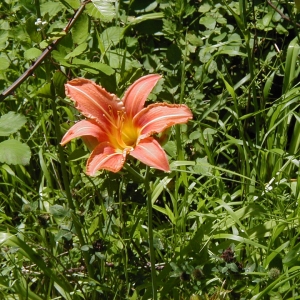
(282, 15)
(42, 57)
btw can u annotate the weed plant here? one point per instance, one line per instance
(225, 220)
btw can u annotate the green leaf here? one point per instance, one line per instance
(94, 67)
(45, 91)
(32, 53)
(11, 123)
(51, 8)
(59, 211)
(63, 233)
(205, 7)
(81, 29)
(4, 63)
(13, 152)
(281, 30)
(195, 135)
(3, 39)
(208, 22)
(111, 36)
(75, 4)
(106, 9)
(292, 256)
(194, 40)
(77, 51)
(59, 80)
(267, 18)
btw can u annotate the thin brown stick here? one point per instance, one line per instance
(41, 58)
(282, 15)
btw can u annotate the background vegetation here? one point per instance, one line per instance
(225, 220)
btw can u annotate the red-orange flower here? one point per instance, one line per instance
(115, 128)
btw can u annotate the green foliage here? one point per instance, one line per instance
(12, 151)
(225, 220)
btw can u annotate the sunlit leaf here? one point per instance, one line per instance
(4, 63)
(106, 9)
(111, 36)
(80, 30)
(32, 53)
(11, 123)
(13, 152)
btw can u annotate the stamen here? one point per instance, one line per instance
(111, 121)
(111, 118)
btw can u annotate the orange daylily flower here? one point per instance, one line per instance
(115, 128)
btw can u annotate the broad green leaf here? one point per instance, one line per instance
(13, 152)
(203, 167)
(94, 226)
(80, 30)
(75, 4)
(4, 25)
(60, 58)
(267, 18)
(11, 123)
(63, 233)
(94, 67)
(51, 8)
(77, 51)
(292, 256)
(59, 211)
(45, 91)
(205, 7)
(195, 135)
(281, 30)
(106, 8)
(3, 39)
(119, 59)
(194, 40)
(4, 63)
(59, 80)
(111, 36)
(208, 22)
(32, 53)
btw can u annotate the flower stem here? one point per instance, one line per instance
(150, 234)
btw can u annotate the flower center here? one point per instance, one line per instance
(129, 134)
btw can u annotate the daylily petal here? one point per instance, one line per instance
(104, 157)
(136, 95)
(84, 128)
(157, 117)
(93, 101)
(151, 153)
